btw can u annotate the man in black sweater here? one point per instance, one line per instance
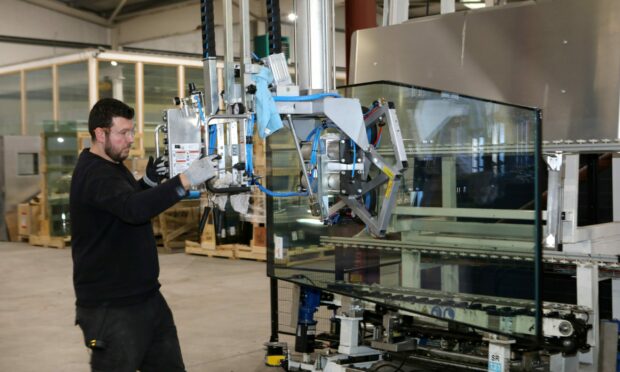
(125, 319)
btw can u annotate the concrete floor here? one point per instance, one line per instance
(221, 309)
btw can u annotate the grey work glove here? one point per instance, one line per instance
(202, 170)
(156, 170)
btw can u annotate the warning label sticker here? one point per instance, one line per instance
(183, 154)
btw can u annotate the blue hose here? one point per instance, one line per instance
(311, 97)
(249, 148)
(211, 129)
(354, 158)
(193, 194)
(312, 133)
(201, 112)
(277, 194)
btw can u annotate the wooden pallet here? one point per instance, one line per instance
(178, 224)
(251, 252)
(59, 242)
(298, 256)
(231, 251)
(223, 251)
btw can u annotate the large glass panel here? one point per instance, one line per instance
(39, 103)
(73, 92)
(463, 238)
(10, 105)
(160, 87)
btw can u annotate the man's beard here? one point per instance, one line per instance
(117, 156)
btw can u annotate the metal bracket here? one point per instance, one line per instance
(553, 236)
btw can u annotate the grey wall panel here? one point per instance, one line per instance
(18, 188)
(562, 56)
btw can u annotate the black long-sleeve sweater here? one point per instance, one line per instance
(114, 250)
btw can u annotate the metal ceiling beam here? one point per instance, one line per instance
(59, 7)
(50, 43)
(118, 8)
(157, 9)
(163, 8)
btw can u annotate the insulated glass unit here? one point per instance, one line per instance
(463, 238)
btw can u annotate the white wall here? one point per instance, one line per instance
(176, 29)
(18, 18)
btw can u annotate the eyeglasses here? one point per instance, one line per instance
(127, 133)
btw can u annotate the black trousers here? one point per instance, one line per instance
(136, 337)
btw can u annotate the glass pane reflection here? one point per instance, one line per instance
(462, 240)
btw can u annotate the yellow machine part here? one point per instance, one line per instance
(274, 360)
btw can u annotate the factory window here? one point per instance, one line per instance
(117, 80)
(160, 87)
(39, 105)
(73, 92)
(27, 164)
(10, 105)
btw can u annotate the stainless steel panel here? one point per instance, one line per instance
(561, 56)
(184, 140)
(16, 188)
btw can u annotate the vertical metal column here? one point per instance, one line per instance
(209, 59)
(554, 201)
(395, 12)
(314, 45)
(229, 68)
(615, 186)
(275, 46)
(93, 79)
(587, 296)
(181, 81)
(245, 53)
(139, 120)
(359, 14)
(449, 273)
(570, 195)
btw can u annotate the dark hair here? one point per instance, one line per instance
(104, 111)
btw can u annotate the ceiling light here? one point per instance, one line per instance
(114, 63)
(474, 5)
(60, 140)
(292, 17)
